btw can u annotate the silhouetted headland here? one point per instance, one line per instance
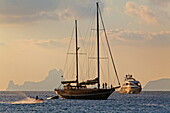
(52, 81)
(158, 85)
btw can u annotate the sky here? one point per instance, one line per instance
(34, 36)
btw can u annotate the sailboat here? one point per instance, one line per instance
(79, 90)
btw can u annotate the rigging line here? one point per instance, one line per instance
(82, 40)
(88, 26)
(109, 47)
(92, 25)
(104, 67)
(103, 72)
(71, 64)
(88, 41)
(68, 50)
(91, 69)
(72, 68)
(105, 62)
(89, 31)
(91, 21)
(91, 48)
(93, 37)
(83, 62)
(93, 45)
(85, 13)
(83, 45)
(93, 64)
(88, 71)
(89, 53)
(81, 72)
(104, 47)
(108, 71)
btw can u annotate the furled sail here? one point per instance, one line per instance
(90, 82)
(66, 82)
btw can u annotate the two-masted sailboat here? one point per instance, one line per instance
(79, 90)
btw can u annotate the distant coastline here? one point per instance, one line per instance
(158, 85)
(51, 82)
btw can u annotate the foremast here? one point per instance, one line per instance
(77, 48)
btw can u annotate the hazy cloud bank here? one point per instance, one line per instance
(140, 11)
(20, 11)
(162, 9)
(163, 3)
(51, 43)
(128, 37)
(2, 44)
(117, 37)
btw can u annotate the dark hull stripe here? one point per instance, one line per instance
(92, 96)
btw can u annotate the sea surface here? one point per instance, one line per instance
(146, 102)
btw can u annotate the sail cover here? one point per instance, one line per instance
(89, 82)
(66, 82)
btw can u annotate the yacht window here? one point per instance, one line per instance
(139, 84)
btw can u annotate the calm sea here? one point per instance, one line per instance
(146, 102)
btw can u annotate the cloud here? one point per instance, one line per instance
(163, 3)
(51, 43)
(17, 11)
(162, 8)
(2, 44)
(140, 11)
(128, 37)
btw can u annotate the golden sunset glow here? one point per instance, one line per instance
(34, 36)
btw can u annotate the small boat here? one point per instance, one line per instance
(55, 97)
(130, 86)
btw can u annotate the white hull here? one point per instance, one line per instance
(130, 86)
(130, 90)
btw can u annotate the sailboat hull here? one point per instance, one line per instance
(88, 94)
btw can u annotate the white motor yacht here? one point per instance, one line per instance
(130, 86)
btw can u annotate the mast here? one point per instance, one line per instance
(76, 54)
(98, 49)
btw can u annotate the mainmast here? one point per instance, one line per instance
(76, 54)
(98, 49)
